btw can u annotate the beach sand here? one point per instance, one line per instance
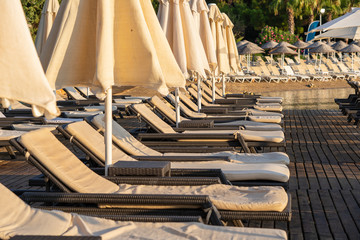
(262, 87)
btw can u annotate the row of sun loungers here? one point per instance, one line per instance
(224, 182)
(299, 70)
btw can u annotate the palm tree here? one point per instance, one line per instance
(292, 8)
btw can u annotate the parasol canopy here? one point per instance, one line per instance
(269, 45)
(48, 14)
(22, 77)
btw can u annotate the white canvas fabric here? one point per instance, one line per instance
(231, 44)
(200, 13)
(178, 25)
(216, 23)
(48, 14)
(18, 218)
(350, 19)
(347, 33)
(100, 43)
(22, 77)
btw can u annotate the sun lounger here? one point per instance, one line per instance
(167, 112)
(223, 118)
(132, 146)
(72, 173)
(240, 138)
(273, 107)
(92, 143)
(26, 222)
(5, 136)
(244, 112)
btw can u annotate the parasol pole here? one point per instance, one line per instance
(223, 85)
(108, 130)
(177, 106)
(213, 87)
(352, 61)
(199, 91)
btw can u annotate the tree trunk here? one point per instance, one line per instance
(329, 17)
(311, 18)
(291, 22)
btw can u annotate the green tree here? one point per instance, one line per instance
(32, 9)
(292, 8)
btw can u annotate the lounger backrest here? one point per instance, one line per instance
(152, 118)
(19, 218)
(289, 71)
(124, 139)
(203, 93)
(274, 69)
(257, 70)
(208, 91)
(311, 69)
(63, 164)
(188, 102)
(164, 109)
(265, 70)
(185, 109)
(94, 141)
(194, 94)
(73, 93)
(343, 67)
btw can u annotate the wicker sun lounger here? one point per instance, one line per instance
(240, 172)
(19, 221)
(67, 169)
(222, 118)
(241, 138)
(169, 114)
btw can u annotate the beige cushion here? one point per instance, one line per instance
(248, 135)
(127, 101)
(98, 108)
(64, 164)
(252, 125)
(257, 112)
(224, 197)
(150, 116)
(263, 136)
(6, 135)
(235, 157)
(94, 141)
(31, 126)
(274, 108)
(80, 114)
(17, 218)
(243, 172)
(124, 139)
(165, 109)
(265, 119)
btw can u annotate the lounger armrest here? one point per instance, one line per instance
(214, 110)
(196, 124)
(113, 198)
(234, 101)
(237, 95)
(175, 136)
(166, 181)
(181, 158)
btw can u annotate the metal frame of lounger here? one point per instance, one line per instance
(168, 139)
(202, 202)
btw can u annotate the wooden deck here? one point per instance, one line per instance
(325, 176)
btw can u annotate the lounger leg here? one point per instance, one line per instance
(243, 144)
(11, 152)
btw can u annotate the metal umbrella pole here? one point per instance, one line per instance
(199, 91)
(108, 130)
(177, 106)
(213, 88)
